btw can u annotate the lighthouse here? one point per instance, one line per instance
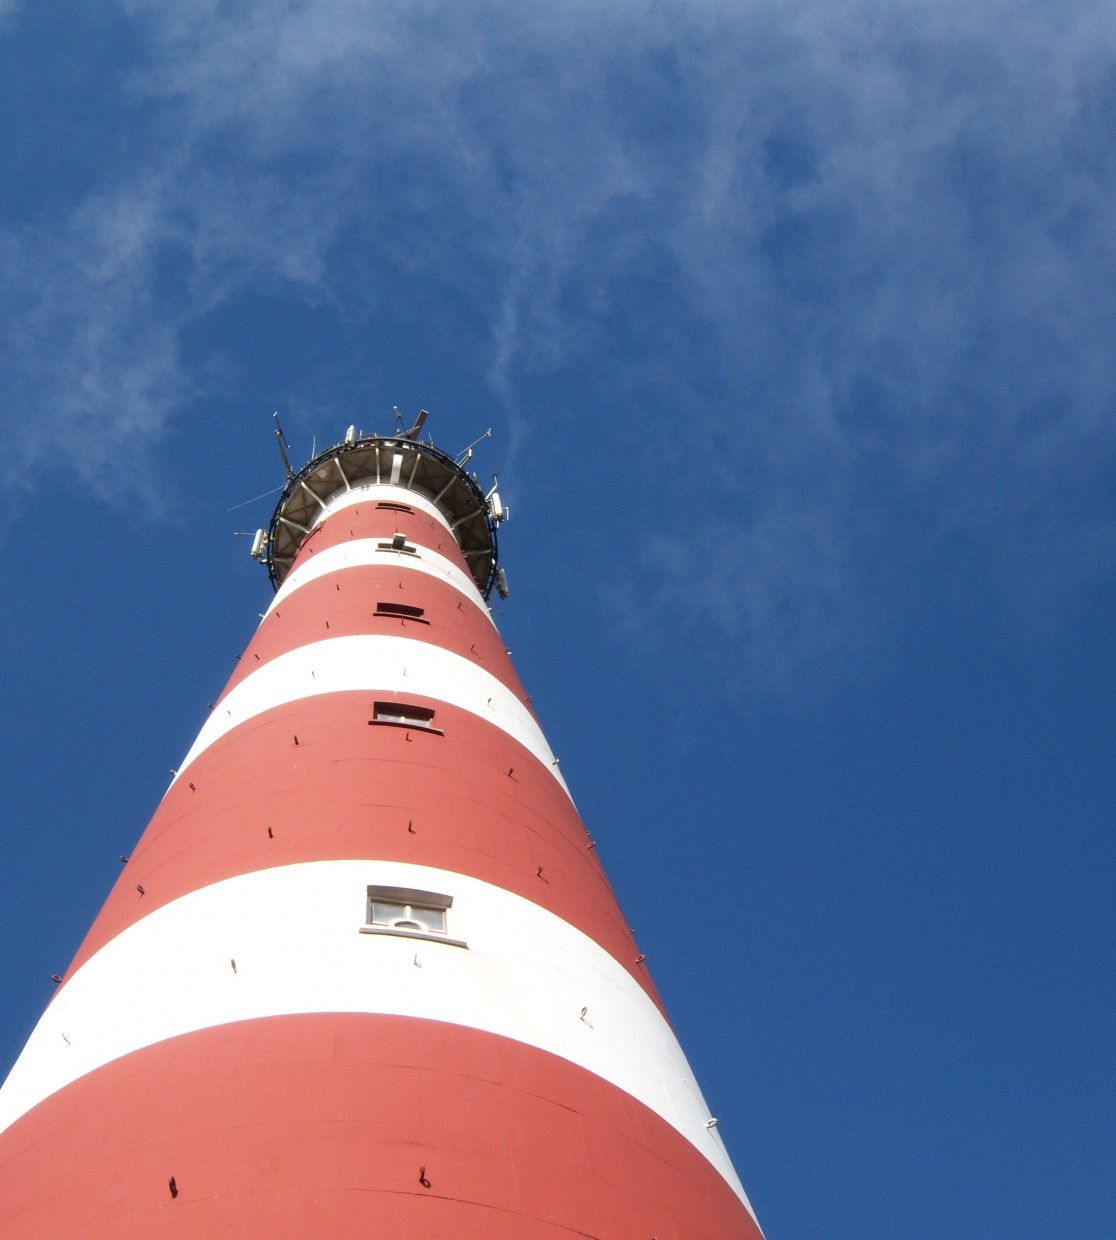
(363, 974)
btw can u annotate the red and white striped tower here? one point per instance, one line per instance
(363, 975)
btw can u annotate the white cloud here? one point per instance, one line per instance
(90, 362)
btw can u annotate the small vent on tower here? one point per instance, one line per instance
(393, 507)
(404, 715)
(401, 611)
(409, 913)
(398, 543)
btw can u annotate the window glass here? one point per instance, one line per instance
(407, 916)
(384, 914)
(428, 918)
(408, 911)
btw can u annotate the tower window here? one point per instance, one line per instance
(402, 611)
(398, 543)
(409, 913)
(387, 503)
(404, 715)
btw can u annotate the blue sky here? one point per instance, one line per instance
(794, 325)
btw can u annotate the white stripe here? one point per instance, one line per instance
(372, 492)
(294, 932)
(365, 553)
(382, 665)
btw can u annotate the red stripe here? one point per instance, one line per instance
(306, 1126)
(365, 520)
(348, 791)
(343, 604)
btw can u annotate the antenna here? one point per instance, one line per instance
(280, 439)
(259, 541)
(246, 502)
(420, 422)
(496, 507)
(462, 457)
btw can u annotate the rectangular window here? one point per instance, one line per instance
(404, 715)
(409, 913)
(402, 611)
(393, 507)
(398, 543)
(406, 916)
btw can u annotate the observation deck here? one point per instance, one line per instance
(398, 461)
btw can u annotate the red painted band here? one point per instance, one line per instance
(367, 520)
(344, 604)
(354, 1126)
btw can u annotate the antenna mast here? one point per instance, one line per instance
(280, 439)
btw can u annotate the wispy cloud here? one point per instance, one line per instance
(862, 255)
(90, 361)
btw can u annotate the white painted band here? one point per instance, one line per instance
(294, 933)
(365, 553)
(374, 492)
(376, 664)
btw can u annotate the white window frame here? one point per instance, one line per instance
(408, 898)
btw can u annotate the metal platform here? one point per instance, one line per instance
(398, 461)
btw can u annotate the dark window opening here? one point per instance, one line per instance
(404, 715)
(387, 503)
(402, 611)
(398, 543)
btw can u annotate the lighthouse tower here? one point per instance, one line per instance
(363, 975)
